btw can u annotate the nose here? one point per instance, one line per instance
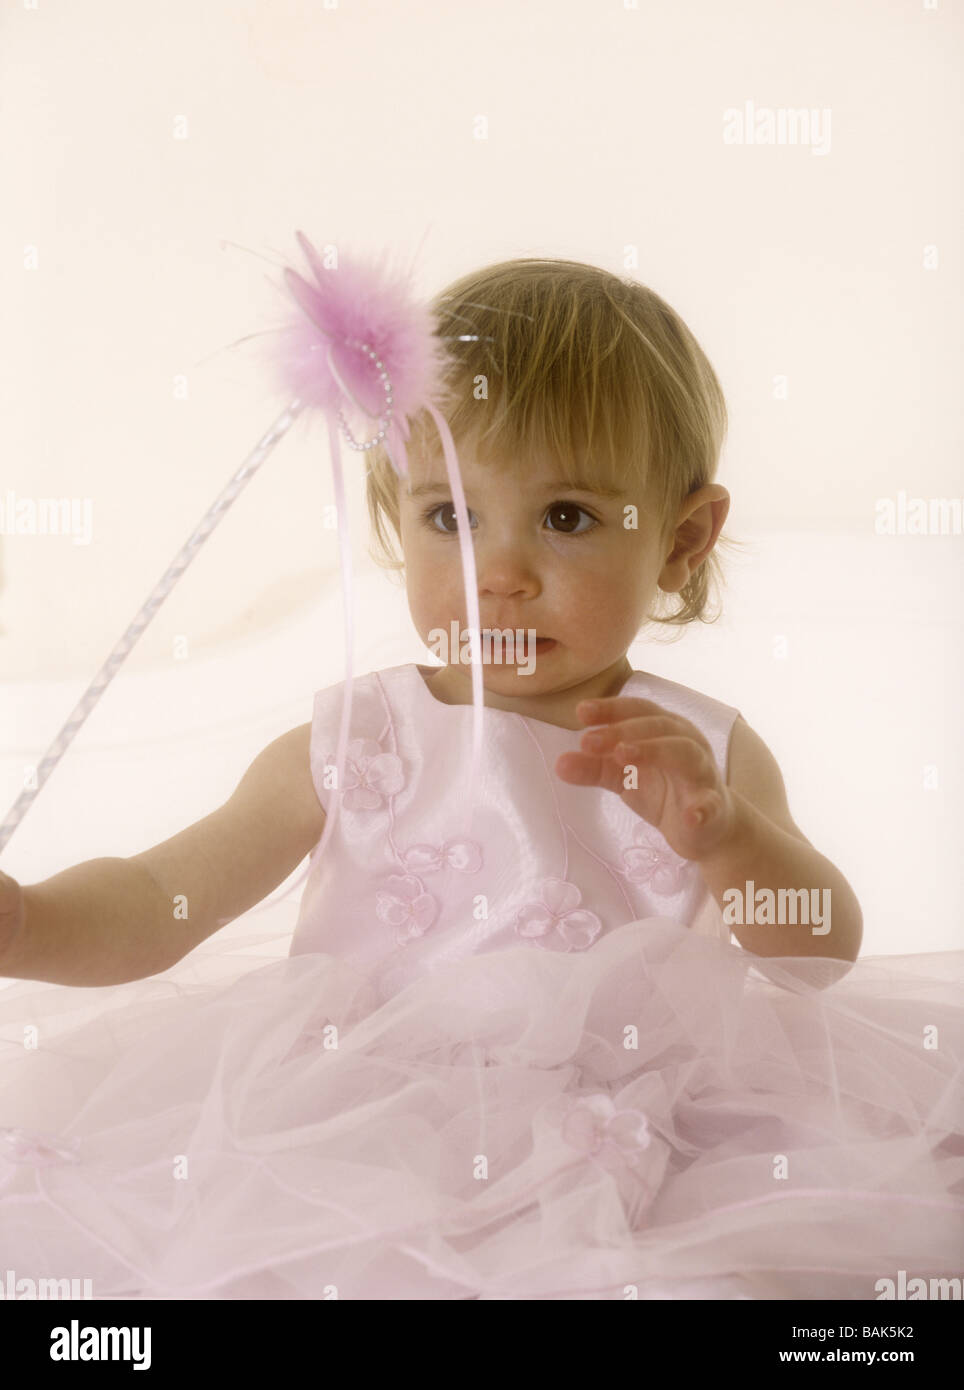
(505, 571)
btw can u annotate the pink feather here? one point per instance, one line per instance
(371, 304)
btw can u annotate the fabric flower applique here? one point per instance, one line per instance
(610, 1137)
(371, 776)
(464, 855)
(656, 865)
(558, 918)
(404, 902)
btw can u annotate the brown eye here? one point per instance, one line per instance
(445, 509)
(570, 513)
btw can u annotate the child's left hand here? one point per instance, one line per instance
(679, 789)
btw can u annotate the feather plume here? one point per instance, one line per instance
(360, 302)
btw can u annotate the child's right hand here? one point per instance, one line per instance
(11, 913)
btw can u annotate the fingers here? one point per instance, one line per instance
(630, 731)
(630, 719)
(678, 754)
(588, 770)
(702, 809)
(614, 707)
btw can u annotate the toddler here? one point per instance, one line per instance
(613, 1041)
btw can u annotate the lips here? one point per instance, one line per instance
(540, 642)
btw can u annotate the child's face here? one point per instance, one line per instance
(575, 572)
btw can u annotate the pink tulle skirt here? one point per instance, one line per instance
(662, 1116)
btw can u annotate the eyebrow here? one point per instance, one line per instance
(559, 485)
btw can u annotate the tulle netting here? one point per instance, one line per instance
(662, 1116)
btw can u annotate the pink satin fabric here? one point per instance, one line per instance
(399, 889)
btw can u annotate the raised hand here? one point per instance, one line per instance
(678, 786)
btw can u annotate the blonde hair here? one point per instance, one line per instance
(594, 372)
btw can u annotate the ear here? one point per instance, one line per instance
(698, 526)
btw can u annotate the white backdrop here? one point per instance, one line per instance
(156, 161)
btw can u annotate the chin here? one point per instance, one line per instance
(523, 677)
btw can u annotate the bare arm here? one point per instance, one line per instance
(107, 921)
(768, 848)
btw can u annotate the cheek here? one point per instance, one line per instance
(433, 587)
(587, 602)
(608, 595)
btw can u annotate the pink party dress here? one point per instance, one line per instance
(523, 1062)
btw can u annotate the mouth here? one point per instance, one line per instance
(526, 645)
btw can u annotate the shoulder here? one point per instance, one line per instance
(364, 684)
(754, 772)
(684, 699)
(375, 697)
